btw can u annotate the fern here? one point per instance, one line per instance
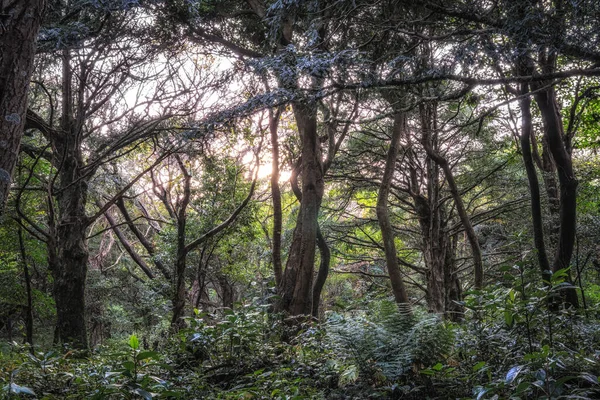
(387, 341)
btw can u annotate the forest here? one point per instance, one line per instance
(299, 199)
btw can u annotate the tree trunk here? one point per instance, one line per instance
(534, 187)
(72, 255)
(201, 281)
(455, 311)
(143, 240)
(276, 194)
(435, 259)
(466, 222)
(322, 274)
(549, 174)
(391, 258)
(179, 292)
(29, 309)
(432, 224)
(460, 207)
(548, 170)
(443, 286)
(297, 277)
(553, 131)
(128, 246)
(324, 251)
(431, 221)
(18, 34)
(227, 291)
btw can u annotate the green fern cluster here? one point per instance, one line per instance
(387, 342)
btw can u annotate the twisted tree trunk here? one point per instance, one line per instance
(297, 278)
(554, 134)
(322, 274)
(383, 217)
(534, 186)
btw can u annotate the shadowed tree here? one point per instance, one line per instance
(101, 118)
(19, 25)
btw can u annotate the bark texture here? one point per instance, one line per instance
(72, 254)
(144, 241)
(438, 247)
(554, 134)
(383, 217)
(71, 225)
(322, 274)
(324, 251)
(179, 293)
(297, 278)
(534, 186)
(276, 195)
(18, 33)
(128, 246)
(431, 220)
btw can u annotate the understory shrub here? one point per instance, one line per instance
(509, 346)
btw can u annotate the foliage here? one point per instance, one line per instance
(107, 374)
(376, 353)
(158, 109)
(517, 348)
(385, 343)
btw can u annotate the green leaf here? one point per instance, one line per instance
(437, 367)
(563, 286)
(134, 343)
(521, 387)
(565, 379)
(129, 365)
(509, 318)
(169, 394)
(349, 375)
(560, 273)
(478, 366)
(560, 276)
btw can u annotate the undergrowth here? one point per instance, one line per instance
(508, 346)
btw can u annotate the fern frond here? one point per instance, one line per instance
(388, 340)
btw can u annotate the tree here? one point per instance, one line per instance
(296, 282)
(99, 121)
(19, 25)
(194, 211)
(398, 130)
(541, 31)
